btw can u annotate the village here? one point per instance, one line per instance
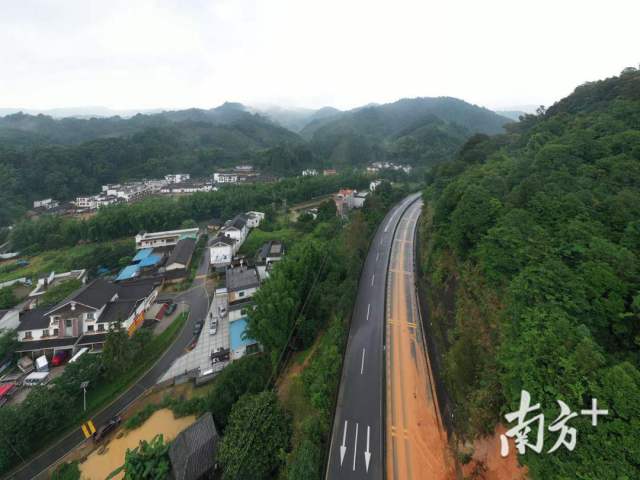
(173, 275)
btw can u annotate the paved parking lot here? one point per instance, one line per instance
(200, 357)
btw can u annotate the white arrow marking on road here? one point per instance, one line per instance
(362, 365)
(355, 449)
(343, 447)
(373, 277)
(367, 453)
(368, 310)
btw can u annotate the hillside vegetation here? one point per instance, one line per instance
(419, 131)
(42, 157)
(531, 253)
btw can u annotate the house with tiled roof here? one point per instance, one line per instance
(194, 450)
(85, 316)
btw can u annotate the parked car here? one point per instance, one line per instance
(213, 327)
(60, 358)
(107, 428)
(193, 343)
(197, 327)
(220, 355)
(6, 390)
(172, 308)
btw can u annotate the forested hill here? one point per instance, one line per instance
(227, 120)
(44, 157)
(296, 119)
(420, 131)
(533, 249)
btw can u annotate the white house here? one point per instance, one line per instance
(221, 177)
(177, 177)
(221, 251)
(242, 283)
(84, 318)
(163, 239)
(359, 199)
(309, 172)
(47, 203)
(188, 187)
(254, 219)
(237, 229)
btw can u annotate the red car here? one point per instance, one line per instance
(60, 358)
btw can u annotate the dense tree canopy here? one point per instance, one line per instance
(256, 438)
(536, 233)
(166, 213)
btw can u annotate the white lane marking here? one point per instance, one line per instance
(373, 277)
(343, 447)
(368, 311)
(367, 453)
(355, 449)
(378, 256)
(362, 364)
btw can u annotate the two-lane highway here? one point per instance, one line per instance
(357, 440)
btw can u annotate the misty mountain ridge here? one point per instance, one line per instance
(419, 131)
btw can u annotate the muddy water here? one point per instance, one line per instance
(98, 467)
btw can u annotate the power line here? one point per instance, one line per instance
(275, 370)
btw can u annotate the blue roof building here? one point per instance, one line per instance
(128, 272)
(142, 254)
(149, 261)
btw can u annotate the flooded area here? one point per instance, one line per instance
(98, 467)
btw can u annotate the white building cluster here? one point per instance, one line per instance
(379, 166)
(230, 238)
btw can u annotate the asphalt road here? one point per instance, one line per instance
(197, 299)
(356, 450)
(416, 442)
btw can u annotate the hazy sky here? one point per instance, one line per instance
(183, 53)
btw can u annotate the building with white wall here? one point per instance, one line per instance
(164, 239)
(177, 177)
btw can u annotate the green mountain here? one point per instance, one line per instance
(296, 119)
(43, 157)
(229, 119)
(419, 131)
(531, 254)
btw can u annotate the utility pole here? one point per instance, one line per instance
(84, 386)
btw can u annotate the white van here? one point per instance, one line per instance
(36, 378)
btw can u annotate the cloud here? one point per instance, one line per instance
(176, 54)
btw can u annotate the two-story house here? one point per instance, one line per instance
(237, 229)
(254, 219)
(221, 251)
(242, 283)
(164, 239)
(85, 317)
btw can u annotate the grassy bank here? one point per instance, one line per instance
(89, 256)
